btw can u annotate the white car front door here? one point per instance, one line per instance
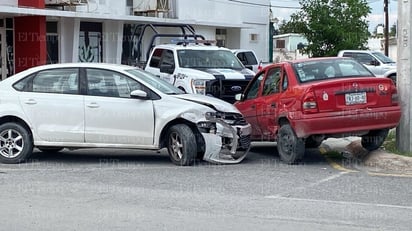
(111, 116)
(51, 101)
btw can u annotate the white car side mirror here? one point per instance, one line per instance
(138, 94)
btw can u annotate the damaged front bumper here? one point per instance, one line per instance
(227, 144)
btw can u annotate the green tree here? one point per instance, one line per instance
(392, 30)
(286, 27)
(331, 25)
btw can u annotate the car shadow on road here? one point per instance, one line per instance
(100, 156)
(258, 153)
(268, 150)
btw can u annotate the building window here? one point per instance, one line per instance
(9, 40)
(280, 43)
(9, 23)
(221, 37)
(131, 51)
(52, 42)
(90, 42)
(253, 37)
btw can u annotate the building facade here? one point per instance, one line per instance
(36, 32)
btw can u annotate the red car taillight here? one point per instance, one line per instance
(309, 104)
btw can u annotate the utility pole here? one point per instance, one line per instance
(271, 31)
(403, 79)
(386, 27)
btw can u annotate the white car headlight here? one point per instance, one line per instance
(207, 127)
(229, 118)
(213, 115)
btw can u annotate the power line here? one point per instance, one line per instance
(249, 3)
(270, 5)
(287, 7)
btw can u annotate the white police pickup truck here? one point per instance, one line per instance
(198, 67)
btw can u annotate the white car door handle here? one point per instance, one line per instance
(30, 101)
(93, 105)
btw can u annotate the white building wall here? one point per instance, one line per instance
(68, 29)
(260, 45)
(208, 11)
(112, 41)
(233, 38)
(208, 32)
(256, 20)
(258, 13)
(114, 7)
(393, 51)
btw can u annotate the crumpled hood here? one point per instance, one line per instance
(209, 101)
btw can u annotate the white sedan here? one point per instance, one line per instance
(85, 105)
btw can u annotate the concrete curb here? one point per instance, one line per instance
(378, 162)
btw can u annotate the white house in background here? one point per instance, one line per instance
(34, 32)
(285, 47)
(378, 44)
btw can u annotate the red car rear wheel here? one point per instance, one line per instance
(290, 147)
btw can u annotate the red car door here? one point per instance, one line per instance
(268, 107)
(248, 105)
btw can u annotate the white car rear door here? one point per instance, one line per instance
(53, 105)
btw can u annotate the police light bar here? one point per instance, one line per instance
(192, 41)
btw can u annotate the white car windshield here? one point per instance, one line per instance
(208, 59)
(383, 58)
(155, 82)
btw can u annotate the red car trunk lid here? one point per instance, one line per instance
(353, 93)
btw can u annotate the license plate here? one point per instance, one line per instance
(355, 98)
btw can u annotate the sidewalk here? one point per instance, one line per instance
(378, 162)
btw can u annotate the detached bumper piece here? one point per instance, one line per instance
(226, 144)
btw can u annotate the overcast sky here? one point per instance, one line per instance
(283, 9)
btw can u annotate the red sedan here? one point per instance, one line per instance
(300, 103)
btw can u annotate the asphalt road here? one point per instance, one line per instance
(133, 190)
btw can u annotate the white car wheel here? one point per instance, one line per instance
(15, 143)
(181, 145)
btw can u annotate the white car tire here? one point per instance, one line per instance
(181, 145)
(16, 143)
